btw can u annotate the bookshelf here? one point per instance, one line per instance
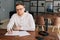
(41, 6)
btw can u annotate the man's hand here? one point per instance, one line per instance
(17, 28)
(10, 31)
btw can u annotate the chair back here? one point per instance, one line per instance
(40, 20)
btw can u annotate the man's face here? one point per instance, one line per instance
(20, 9)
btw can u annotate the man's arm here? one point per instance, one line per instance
(31, 24)
(10, 24)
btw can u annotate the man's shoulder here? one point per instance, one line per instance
(28, 14)
(14, 15)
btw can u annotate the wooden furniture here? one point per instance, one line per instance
(34, 34)
(40, 22)
(3, 37)
(56, 23)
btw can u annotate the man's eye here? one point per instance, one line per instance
(18, 9)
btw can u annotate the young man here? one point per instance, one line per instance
(22, 20)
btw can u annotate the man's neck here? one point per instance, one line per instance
(21, 14)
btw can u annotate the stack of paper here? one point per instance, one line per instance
(19, 33)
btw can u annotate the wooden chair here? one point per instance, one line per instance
(40, 22)
(56, 23)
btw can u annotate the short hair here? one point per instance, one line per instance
(20, 3)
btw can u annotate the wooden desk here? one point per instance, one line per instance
(29, 37)
(52, 36)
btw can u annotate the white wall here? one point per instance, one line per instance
(6, 7)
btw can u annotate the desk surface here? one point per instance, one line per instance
(29, 37)
(52, 36)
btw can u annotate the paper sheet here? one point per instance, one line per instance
(58, 36)
(18, 33)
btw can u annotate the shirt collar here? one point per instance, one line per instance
(23, 14)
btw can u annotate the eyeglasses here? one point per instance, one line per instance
(19, 9)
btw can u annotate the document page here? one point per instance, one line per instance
(18, 33)
(58, 36)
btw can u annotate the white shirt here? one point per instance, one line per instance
(26, 22)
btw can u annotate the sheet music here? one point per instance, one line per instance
(18, 33)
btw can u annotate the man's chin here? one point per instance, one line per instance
(19, 14)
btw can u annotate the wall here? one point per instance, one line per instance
(5, 7)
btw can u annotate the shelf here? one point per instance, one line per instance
(41, 5)
(49, 0)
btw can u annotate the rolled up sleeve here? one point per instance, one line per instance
(11, 23)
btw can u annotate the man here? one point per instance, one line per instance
(22, 20)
